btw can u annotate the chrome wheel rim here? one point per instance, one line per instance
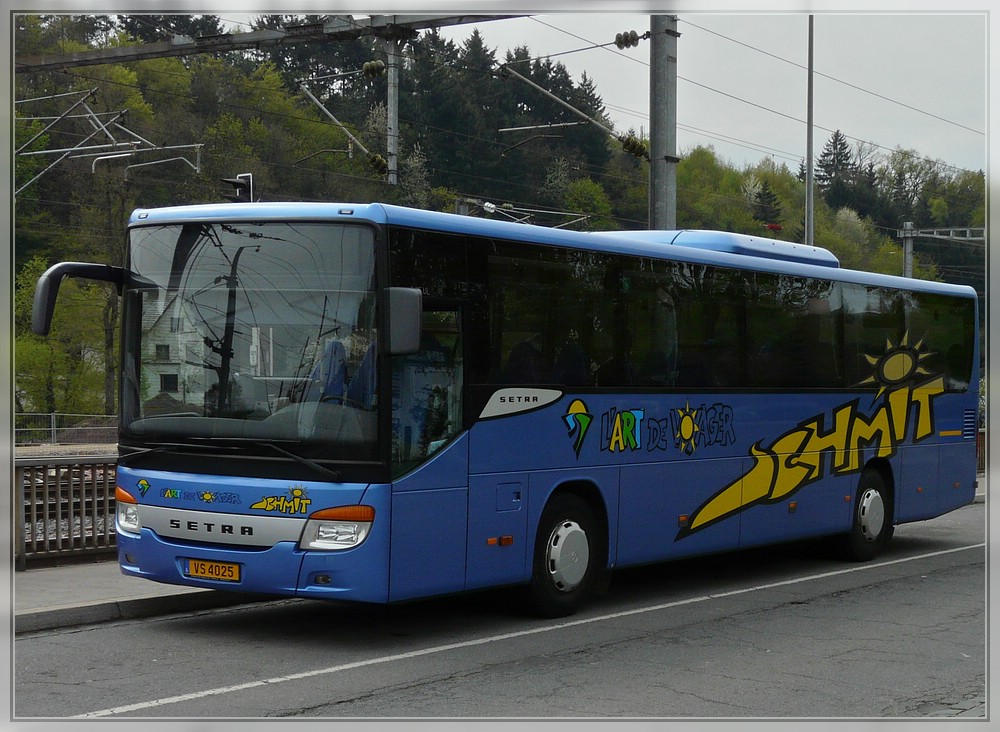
(567, 556)
(871, 514)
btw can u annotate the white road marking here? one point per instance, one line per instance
(139, 706)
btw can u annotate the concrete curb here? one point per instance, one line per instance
(130, 609)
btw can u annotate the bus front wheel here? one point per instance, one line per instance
(565, 558)
(871, 526)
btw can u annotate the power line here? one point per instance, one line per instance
(414, 125)
(835, 79)
(754, 104)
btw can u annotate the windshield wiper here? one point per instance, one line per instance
(243, 441)
(242, 444)
(322, 470)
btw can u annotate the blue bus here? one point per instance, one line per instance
(372, 403)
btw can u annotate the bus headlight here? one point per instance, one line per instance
(126, 512)
(333, 529)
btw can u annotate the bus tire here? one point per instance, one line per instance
(565, 561)
(871, 525)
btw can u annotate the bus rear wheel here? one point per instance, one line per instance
(566, 557)
(871, 526)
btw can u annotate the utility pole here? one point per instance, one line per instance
(907, 235)
(968, 234)
(392, 52)
(809, 142)
(225, 347)
(663, 122)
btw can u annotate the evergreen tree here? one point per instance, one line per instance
(766, 205)
(248, 112)
(591, 141)
(427, 91)
(835, 171)
(153, 28)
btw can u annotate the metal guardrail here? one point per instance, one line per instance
(63, 505)
(56, 428)
(981, 451)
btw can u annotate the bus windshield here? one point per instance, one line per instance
(254, 332)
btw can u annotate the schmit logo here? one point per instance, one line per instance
(799, 456)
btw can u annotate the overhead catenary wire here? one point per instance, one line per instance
(413, 123)
(762, 107)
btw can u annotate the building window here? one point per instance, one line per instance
(162, 352)
(168, 383)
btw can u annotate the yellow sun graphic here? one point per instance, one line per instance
(207, 497)
(687, 428)
(898, 365)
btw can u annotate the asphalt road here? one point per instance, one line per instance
(789, 632)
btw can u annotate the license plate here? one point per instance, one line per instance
(202, 569)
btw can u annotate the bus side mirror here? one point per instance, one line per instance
(48, 288)
(405, 320)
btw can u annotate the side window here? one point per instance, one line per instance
(795, 333)
(649, 324)
(427, 392)
(874, 317)
(711, 325)
(550, 319)
(941, 330)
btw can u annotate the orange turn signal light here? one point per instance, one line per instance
(345, 513)
(123, 496)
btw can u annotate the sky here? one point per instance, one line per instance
(915, 81)
(899, 76)
(902, 74)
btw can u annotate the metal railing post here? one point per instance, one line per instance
(67, 505)
(17, 498)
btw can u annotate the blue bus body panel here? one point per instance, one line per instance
(360, 573)
(497, 531)
(429, 520)
(273, 571)
(761, 468)
(676, 473)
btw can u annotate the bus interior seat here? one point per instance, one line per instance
(329, 377)
(571, 367)
(524, 365)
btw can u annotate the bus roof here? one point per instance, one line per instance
(697, 246)
(743, 244)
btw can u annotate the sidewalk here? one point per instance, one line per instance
(80, 593)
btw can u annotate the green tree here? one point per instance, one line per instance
(414, 183)
(710, 195)
(153, 28)
(557, 179)
(835, 171)
(586, 197)
(765, 205)
(61, 372)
